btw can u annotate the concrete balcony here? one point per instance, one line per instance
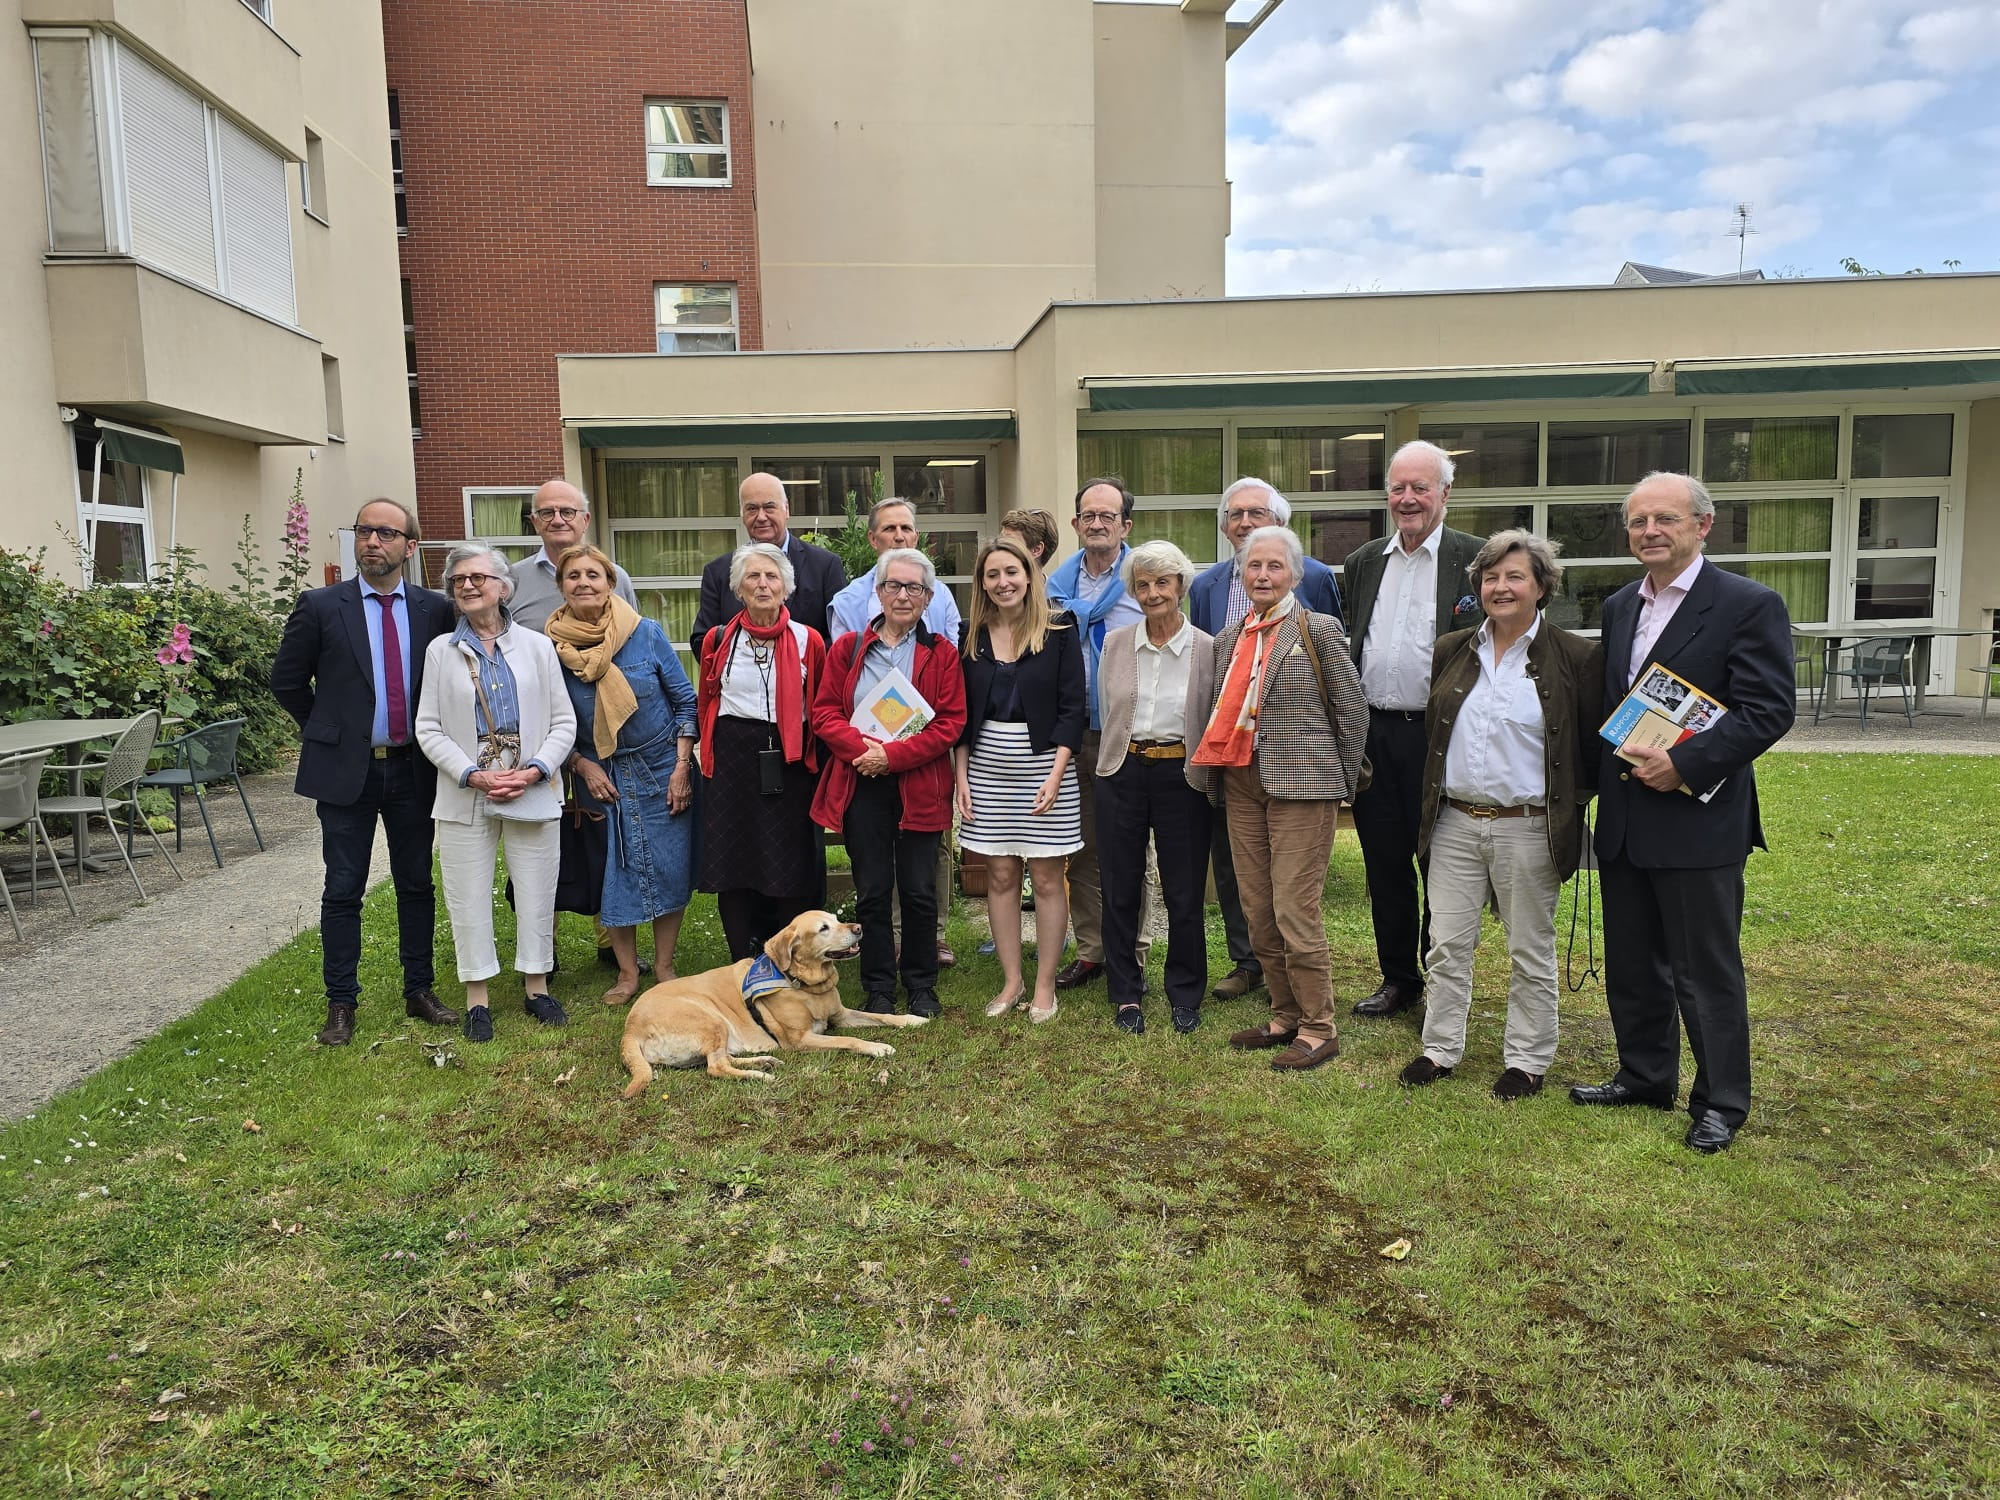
(130, 339)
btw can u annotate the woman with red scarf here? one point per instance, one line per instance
(760, 851)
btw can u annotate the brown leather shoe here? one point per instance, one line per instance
(1256, 1038)
(1236, 984)
(1077, 971)
(424, 1006)
(1303, 1054)
(339, 1028)
(946, 958)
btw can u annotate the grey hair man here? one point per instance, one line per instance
(560, 514)
(766, 513)
(892, 524)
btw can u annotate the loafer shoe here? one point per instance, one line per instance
(478, 1024)
(1517, 1083)
(1077, 971)
(423, 1005)
(1257, 1038)
(1421, 1071)
(546, 1009)
(1186, 1021)
(924, 1003)
(1710, 1133)
(1614, 1094)
(1388, 1000)
(339, 1028)
(1130, 1018)
(1303, 1054)
(1237, 983)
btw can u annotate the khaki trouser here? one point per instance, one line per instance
(1281, 849)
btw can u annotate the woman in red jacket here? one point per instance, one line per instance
(888, 790)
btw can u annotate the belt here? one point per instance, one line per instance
(1487, 814)
(1158, 749)
(394, 752)
(1413, 715)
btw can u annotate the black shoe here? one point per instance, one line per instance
(1420, 1071)
(1389, 999)
(924, 1003)
(423, 1005)
(880, 1005)
(478, 1024)
(339, 1028)
(1077, 971)
(546, 1009)
(1130, 1019)
(1614, 1094)
(1710, 1133)
(1517, 1083)
(1186, 1021)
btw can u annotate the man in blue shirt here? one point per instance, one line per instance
(891, 524)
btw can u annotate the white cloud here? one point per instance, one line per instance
(1953, 41)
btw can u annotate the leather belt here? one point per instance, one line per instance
(1408, 715)
(1158, 749)
(394, 752)
(1487, 814)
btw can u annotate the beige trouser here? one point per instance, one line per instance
(1086, 887)
(466, 857)
(1508, 859)
(1281, 849)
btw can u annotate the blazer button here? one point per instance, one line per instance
(1624, 775)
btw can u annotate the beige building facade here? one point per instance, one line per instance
(1849, 433)
(198, 259)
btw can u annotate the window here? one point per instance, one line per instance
(312, 178)
(135, 164)
(261, 9)
(695, 319)
(1164, 461)
(336, 417)
(498, 515)
(396, 163)
(1770, 450)
(822, 486)
(687, 144)
(1911, 447)
(668, 517)
(1308, 460)
(116, 525)
(945, 485)
(1489, 455)
(1616, 452)
(410, 359)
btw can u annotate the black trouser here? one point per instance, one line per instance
(750, 919)
(1235, 926)
(1151, 797)
(891, 862)
(347, 839)
(1387, 816)
(1671, 950)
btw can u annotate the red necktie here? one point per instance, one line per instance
(392, 670)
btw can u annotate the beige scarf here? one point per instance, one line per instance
(586, 648)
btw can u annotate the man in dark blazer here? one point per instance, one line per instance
(1670, 864)
(1216, 599)
(1402, 594)
(350, 669)
(767, 517)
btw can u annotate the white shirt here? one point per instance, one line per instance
(1498, 756)
(1396, 655)
(1656, 610)
(745, 694)
(1161, 712)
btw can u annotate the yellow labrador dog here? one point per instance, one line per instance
(783, 1001)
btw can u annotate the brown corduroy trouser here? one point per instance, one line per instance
(1281, 848)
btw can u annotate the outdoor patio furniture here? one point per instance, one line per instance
(1809, 655)
(117, 788)
(1875, 664)
(20, 781)
(201, 757)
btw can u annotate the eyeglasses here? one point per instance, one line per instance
(387, 533)
(1645, 523)
(1101, 517)
(470, 580)
(558, 513)
(1244, 514)
(898, 586)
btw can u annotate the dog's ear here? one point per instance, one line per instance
(779, 950)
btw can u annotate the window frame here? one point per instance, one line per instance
(532, 542)
(100, 511)
(728, 177)
(312, 179)
(734, 328)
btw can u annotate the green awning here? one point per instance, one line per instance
(700, 433)
(1378, 388)
(1806, 377)
(148, 447)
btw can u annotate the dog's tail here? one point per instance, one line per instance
(634, 1055)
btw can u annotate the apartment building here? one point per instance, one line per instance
(198, 262)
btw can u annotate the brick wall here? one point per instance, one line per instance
(532, 231)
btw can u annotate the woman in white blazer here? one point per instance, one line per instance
(496, 721)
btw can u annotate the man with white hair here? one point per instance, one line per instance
(1215, 600)
(560, 514)
(1403, 594)
(767, 516)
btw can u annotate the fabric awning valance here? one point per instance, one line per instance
(1366, 388)
(885, 427)
(1785, 376)
(136, 443)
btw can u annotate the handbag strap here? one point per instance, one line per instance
(479, 687)
(1319, 676)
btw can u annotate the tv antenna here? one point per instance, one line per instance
(1740, 232)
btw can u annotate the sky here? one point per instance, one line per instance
(1399, 145)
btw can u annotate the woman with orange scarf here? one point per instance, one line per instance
(1282, 751)
(760, 850)
(634, 758)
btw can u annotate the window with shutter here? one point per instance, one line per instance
(256, 224)
(166, 171)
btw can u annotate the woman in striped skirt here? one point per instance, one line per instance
(1017, 788)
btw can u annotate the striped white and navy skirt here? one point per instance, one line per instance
(1005, 775)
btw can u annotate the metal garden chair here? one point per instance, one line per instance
(20, 781)
(1877, 664)
(201, 757)
(119, 774)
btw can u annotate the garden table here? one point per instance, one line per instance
(70, 735)
(1838, 637)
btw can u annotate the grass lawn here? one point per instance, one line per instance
(1048, 1262)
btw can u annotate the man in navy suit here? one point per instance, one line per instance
(767, 516)
(1670, 864)
(350, 669)
(1216, 599)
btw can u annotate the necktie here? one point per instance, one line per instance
(392, 670)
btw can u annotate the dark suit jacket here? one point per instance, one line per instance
(818, 576)
(1208, 596)
(1051, 684)
(1732, 639)
(324, 678)
(1365, 566)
